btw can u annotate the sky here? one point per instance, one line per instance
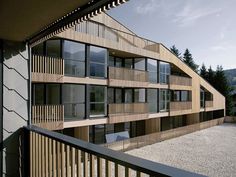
(206, 27)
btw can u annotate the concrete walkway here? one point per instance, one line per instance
(210, 152)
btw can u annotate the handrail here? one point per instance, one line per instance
(128, 161)
(180, 80)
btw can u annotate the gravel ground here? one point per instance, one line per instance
(210, 152)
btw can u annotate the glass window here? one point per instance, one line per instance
(202, 98)
(74, 55)
(111, 61)
(128, 96)
(128, 63)
(118, 62)
(164, 100)
(118, 95)
(164, 72)
(38, 94)
(53, 94)
(53, 48)
(185, 96)
(99, 134)
(152, 70)
(110, 95)
(139, 95)
(97, 101)
(176, 95)
(152, 98)
(139, 64)
(98, 57)
(74, 101)
(38, 49)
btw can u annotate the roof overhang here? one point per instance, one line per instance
(32, 20)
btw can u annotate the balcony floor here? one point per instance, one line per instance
(205, 152)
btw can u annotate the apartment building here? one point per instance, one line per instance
(100, 82)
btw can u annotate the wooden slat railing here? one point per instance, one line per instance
(208, 104)
(112, 34)
(140, 141)
(178, 80)
(128, 108)
(47, 65)
(55, 154)
(128, 74)
(179, 105)
(50, 117)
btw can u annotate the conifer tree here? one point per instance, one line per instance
(188, 59)
(175, 51)
(203, 71)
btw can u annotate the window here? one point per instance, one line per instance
(74, 55)
(152, 98)
(164, 100)
(140, 64)
(152, 70)
(128, 96)
(38, 94)
(128, 63)
(97, 101)
(111, 61)
(185, 96)
(118, 62)
(139, 96)
(118, 94)
(98, 61)
(53, 94)
(202, 98)
(176, 95)
(110, 95)
(38, 49)
(164, 72)
(74, 101)
(99, 134)
(53, 48)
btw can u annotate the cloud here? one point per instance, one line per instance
(147, 7)
(189, 14)
(223, 47)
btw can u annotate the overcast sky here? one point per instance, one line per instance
(206, 27)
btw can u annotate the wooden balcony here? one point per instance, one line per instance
(124, 77)
(47, 69)
(177, 108)
(127, 112)
(178, 82)
(208, 104)
(50, 117)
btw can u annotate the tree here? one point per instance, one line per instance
(211, 76)
(203, 71)
(175, 51)
(222, 85)
(188, 59)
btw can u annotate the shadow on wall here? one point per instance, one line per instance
(11, 151)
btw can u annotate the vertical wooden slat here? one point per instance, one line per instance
(92, 165)
(78, 159)
(63, 173)
(58, 159)
(99, 167)
(46, 157)
(50, 157)
(43, 155)
(37, 155)
(127, 172)
(73, 162)
(54, 158)
(85, 164)
(67, 160)
(108, 168)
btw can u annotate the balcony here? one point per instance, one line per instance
(124, 77)
(208, 104)
(177, 108)
(47, 69)
(47, 153)
(50, 117)
(124, 112)
(180, 83)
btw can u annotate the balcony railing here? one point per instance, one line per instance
(178, 80)
(50, 117)
(47, 68)
(122, 37)
(180, 106)
(127, 77)
(208, 104)
(50, 153)
(128, 108)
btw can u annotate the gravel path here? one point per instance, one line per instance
(210, 152)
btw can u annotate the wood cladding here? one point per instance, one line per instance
(178, 80)
(208, 104)
(50, 117)
(124, 77)
(47, 69)
(180, 105)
